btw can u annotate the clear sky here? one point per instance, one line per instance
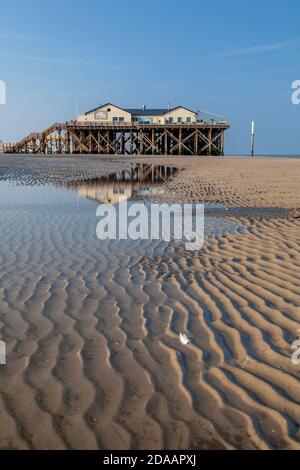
(236, 58)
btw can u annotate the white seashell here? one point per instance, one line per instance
(184, 339)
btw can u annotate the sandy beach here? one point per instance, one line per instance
(94, 359)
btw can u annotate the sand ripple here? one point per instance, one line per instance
(92, 330)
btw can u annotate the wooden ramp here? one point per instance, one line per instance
(50, 141)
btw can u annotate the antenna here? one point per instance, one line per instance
(76, 109)
(169, 106)
(252, 138)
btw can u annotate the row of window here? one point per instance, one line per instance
(148, 120)
(143, 120)
(179, 120)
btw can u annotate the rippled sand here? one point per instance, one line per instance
(94, 358)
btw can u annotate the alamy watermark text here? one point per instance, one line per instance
(152, 222)
(2, 92)
(296, 93)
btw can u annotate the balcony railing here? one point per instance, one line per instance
(120, 125)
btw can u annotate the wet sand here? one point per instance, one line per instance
(94, 358)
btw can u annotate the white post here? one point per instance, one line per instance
(252, 138)
(2, 353)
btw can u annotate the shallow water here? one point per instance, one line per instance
(77, 205)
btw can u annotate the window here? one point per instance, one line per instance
(188, 120)
(145, 120)
(170, 120)
(118, 119)
(179, 120)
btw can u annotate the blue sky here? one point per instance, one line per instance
(234, 58)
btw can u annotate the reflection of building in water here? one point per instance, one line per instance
(107, 192)
(128, 184)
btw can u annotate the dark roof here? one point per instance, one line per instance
(147, 112)
(103, 106)
(155, 112)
